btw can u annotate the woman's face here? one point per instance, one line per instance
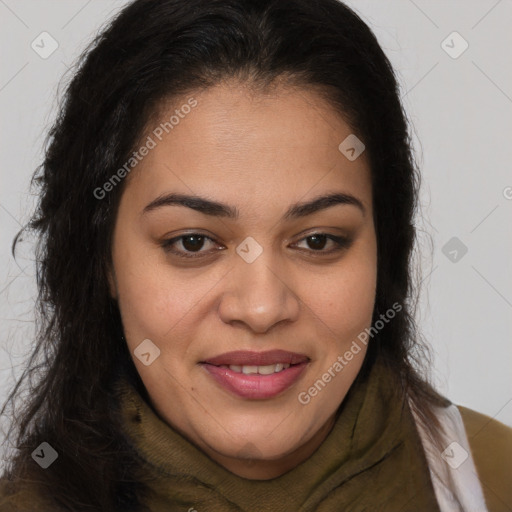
(254, 278)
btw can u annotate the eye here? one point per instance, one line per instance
(317, 242)
(192, 243)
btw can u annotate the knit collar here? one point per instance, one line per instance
(373, 443)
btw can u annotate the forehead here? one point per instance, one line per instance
(237, 144)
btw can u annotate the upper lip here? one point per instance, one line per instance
(246, 358)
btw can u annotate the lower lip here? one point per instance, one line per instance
(255, 386)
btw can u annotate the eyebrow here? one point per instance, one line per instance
(217, 209)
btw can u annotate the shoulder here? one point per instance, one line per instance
(491, 446)
(21, 498)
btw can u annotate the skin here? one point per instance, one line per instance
(259, 153)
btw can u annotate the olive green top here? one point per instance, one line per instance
(372, 460)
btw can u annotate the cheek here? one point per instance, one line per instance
(155, 304)
(344, 301)
(153, 299)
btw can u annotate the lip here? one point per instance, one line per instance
(251, 358)
(255, 386)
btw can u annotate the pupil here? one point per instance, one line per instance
(194, 245)
(321, 238)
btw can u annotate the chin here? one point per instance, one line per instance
(258, 449)
(266, 442)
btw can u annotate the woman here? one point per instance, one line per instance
(226, 223)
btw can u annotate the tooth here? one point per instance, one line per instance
(262, 370)
(266, 370)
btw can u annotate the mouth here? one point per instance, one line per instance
(267, 369)
(248, 358)
(256, 375)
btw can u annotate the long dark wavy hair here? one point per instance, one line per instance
(154, 51)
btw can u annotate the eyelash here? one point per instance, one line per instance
(341, 243)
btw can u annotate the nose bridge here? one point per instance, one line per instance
(259, 294)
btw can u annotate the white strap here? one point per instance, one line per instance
(452, 471)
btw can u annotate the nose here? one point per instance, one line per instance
(259, 295)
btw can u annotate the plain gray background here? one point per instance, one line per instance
(460, 107)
